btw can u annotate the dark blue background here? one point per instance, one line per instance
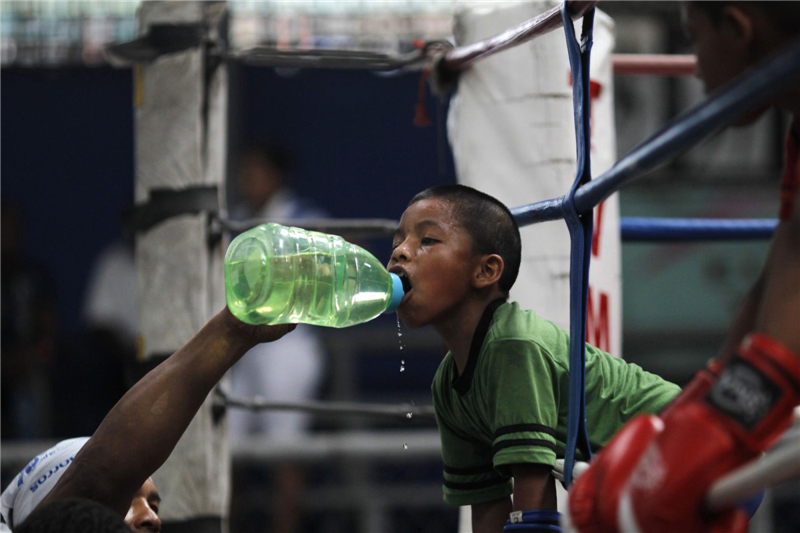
(67, 152)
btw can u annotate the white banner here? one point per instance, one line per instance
(511, 128)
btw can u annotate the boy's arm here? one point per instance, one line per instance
(534, 487)
(534, 490)
(140, 432)
(491, 517)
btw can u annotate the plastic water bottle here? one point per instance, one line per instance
(278, 275)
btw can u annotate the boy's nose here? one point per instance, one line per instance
(400, 254)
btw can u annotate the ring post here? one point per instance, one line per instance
(180, 107)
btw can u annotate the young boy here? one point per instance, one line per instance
(654, 476)
(500, 393)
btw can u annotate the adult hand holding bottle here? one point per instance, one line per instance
(142, 429)
(253, 334)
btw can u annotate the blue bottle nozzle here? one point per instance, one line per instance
(397, 293)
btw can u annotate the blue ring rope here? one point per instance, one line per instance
(580, 231)
(634, 229)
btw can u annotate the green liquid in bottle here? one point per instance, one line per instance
(278, 275)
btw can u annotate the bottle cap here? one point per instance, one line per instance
(397, 293)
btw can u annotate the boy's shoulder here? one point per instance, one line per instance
(515, 331)
(512, 322)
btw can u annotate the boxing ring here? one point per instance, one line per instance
(444, 63)
(720, 109)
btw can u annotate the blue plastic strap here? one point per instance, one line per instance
(580, 231)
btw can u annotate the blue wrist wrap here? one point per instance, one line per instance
(534, 521)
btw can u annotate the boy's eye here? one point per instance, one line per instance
(428, 240)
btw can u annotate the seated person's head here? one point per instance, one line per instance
(143, 512)
(30, 487)
(73, 515)
(730, 36)
(455, 245)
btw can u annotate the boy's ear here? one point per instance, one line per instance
(490, 268)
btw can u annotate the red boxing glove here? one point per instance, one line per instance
(594, 497)
(654, 475)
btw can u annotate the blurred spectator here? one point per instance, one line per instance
(30, 340)
(110, 307)
(110, 322)
(291, 369)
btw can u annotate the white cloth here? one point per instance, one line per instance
(111, 293)
(511, 128)
(288, 370)
(36, 480)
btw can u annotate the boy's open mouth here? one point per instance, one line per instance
(405, 280)
(403, 275)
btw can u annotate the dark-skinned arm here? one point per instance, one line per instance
(773, 304)
(744, 321)
(779, 311)
(490, 517)
(142, 429)
(534, 490)
(534, 487)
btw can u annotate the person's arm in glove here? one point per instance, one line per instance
(654, 475)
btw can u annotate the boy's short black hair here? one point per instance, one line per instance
(784, 14)
(490, 224)
(73, 515)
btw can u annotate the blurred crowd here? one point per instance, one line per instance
(43, 367)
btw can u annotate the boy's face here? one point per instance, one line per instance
(435, 252)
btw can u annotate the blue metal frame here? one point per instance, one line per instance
(746, 93)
